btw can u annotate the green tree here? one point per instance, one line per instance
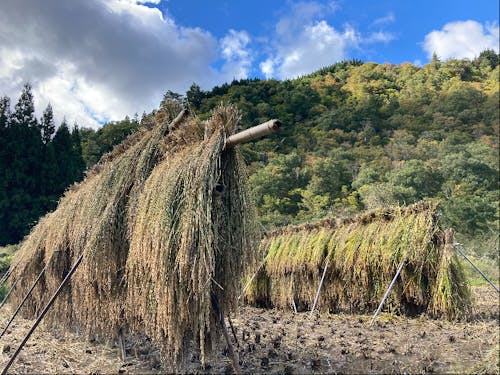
(91, 151)
(470, 165)
(4, 112)
(78, 164)
(415, 181)
(22, 173)
(4, 149)
(63, 149)
(47, 124)
(330, 180)
(194, 96)
(469, 212)
(276, 185)
(25, 109)
(114, 132)
(49, 175)
(487, 58)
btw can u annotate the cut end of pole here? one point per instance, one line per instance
(266, 128)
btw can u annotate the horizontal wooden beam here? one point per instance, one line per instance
(268, 127)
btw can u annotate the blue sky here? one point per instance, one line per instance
(99, 60)
(407, 22)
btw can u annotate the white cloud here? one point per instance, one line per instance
(461, 39)
(378, 37)
(238, 57)
(267, 67)
(304, 41)
(316, 46)
(300, 14)
(103, 59)
(387, 19)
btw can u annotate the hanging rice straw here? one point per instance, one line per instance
(363, 254)
(161, 219)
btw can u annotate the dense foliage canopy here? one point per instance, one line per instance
(357, 136)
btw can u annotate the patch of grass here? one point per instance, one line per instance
(3, 291)
(6, 254)
(487, 265)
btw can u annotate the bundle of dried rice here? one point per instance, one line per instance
(191, 236)
(363, 254)
(157, 235)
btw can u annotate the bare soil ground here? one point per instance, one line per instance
(272, 341)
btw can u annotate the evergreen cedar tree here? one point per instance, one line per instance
(36, 165)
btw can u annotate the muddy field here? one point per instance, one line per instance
(271, 341)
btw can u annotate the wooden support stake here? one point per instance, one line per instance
(251, 279)
(233, 330)
(477, 269)
(8, 273)
(317, 293)
(388, 291)
(121, 344)
(43, 313)
(220, 316)
(22, 302)
(8, 294)
(294, 305)
(5, 277)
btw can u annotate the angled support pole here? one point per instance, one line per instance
(5, 277)
(251, 279)
(22, 302)
(476, 267)
(388, 291)
(317, 293)
(43, 313)
(8, 273)
(220, 317)
(233, 330)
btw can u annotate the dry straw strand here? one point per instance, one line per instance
(363, 254)
(156, 234)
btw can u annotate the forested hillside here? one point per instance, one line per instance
(364, 135)
(356, 136)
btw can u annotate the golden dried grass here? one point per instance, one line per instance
(155, 235)
(363, 254)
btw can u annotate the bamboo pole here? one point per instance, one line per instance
(8, 294)
(388, 291)
(251, 279)
(317, 293)
(43, 313)
(5, 277)
(22, 302)
(234, 356)
(177, 120)
(8, 273)
(121, 344)
(269, 127)
(477, 268)
(233, 330)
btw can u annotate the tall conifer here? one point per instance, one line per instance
(47, 125)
